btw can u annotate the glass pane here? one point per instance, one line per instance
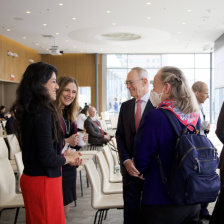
(189, 74)
(202, 60)
(204, 76)
(116, 87)
(117, 61)
(178, 60)
(144, 61)
(84, 96)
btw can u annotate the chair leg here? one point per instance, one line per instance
(87, 182)
(101, 217)
(17, 213)
(96, 216)
(105, 214)
(80, 174)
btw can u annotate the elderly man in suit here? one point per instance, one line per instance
(201, 92)
(96, 134)
(132, 113)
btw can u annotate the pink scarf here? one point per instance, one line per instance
(185, 119)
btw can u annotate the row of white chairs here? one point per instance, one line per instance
(107, 192)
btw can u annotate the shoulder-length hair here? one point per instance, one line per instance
(73, 108)
(180, 90)
(31, 90)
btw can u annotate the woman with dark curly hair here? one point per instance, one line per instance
(40, 137)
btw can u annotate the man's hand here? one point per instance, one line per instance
(130, 167)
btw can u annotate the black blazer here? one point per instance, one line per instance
(220, 134)
(95, 135)
(41, 156)
(126, 134)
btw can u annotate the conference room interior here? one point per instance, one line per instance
(98, 43)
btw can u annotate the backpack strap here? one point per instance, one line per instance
(177, 128)
(173, 120)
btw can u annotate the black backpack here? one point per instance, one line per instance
(192, 178)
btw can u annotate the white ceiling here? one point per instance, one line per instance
(159, 24)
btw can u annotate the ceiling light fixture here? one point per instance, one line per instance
(148, 3)
(108, 12)
(44, 24)
(8, 30)
(114, 24)
(60, 4)
(189, 10)
(57, 33)
(179, 32)
(28, 12)
(148, 17)
(74, 18)
(24, 38)
(183, 23)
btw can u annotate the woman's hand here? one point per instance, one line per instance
(72, 140)
(73, 157)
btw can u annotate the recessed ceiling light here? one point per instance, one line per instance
(183, 23)
(66, 41)
(148, 3)
(189, 10)
(179, 32)
(114, 24)
(148, 17)
(74, 46)
(108, 11)
(44, 24)
(47, 49)
(57, 33)
(28, 12)
(8, 30)
(37, 44)
(60, 4)
(74, 18)
(81, 51)
(24, 37)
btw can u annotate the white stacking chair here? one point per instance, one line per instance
(100, 201)
(107, 186)
(114, 121)
(4, 154)
(113, 178)
(13, 145)
(8, 197)
(20, 166)
(114, 142)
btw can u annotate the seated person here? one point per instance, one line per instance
(10, 122)
(81, 118)
(3, 115)
(96, 134)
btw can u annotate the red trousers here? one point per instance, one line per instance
(43, 199)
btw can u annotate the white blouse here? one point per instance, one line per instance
(80, 121)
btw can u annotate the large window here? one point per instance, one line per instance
(196, 67)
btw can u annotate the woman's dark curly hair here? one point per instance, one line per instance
(31, 89)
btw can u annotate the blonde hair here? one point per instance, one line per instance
(73, 108)
(180, 90)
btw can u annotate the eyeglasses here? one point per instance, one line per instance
(131, 82)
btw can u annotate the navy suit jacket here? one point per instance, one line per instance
(126, 134)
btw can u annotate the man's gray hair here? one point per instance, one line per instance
(142, 73)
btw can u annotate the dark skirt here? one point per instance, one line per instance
(43, 199)
(69, 183)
